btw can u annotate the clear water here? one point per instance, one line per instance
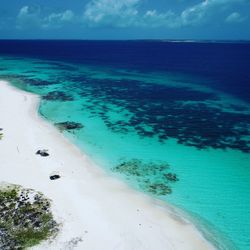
(141, 126)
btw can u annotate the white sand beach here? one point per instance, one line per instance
(95, 210)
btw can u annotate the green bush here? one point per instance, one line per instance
(25, 218)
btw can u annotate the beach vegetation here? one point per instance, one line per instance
(25, 218)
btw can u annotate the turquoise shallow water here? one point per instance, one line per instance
(141, 127)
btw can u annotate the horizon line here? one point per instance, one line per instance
(136, 39)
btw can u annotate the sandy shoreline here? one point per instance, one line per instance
(101, 211)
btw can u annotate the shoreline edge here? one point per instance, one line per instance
(96, 210)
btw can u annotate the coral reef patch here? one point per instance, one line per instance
(58, 96)
(167, 112)
(154, 178)
(68, 125)
(163, 111)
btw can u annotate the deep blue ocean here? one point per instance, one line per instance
(227, 64)
(172, 119)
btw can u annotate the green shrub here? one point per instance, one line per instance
(25, 218)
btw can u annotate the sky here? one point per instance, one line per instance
(125, 19)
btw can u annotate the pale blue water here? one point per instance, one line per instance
(156, 118)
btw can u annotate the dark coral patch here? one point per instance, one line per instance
(25, 80)
(68, 125)
(158, 189)
(58, 96)
(167, 112)
(150, 176)
(152, 110)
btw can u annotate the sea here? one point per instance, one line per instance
(169, 118)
